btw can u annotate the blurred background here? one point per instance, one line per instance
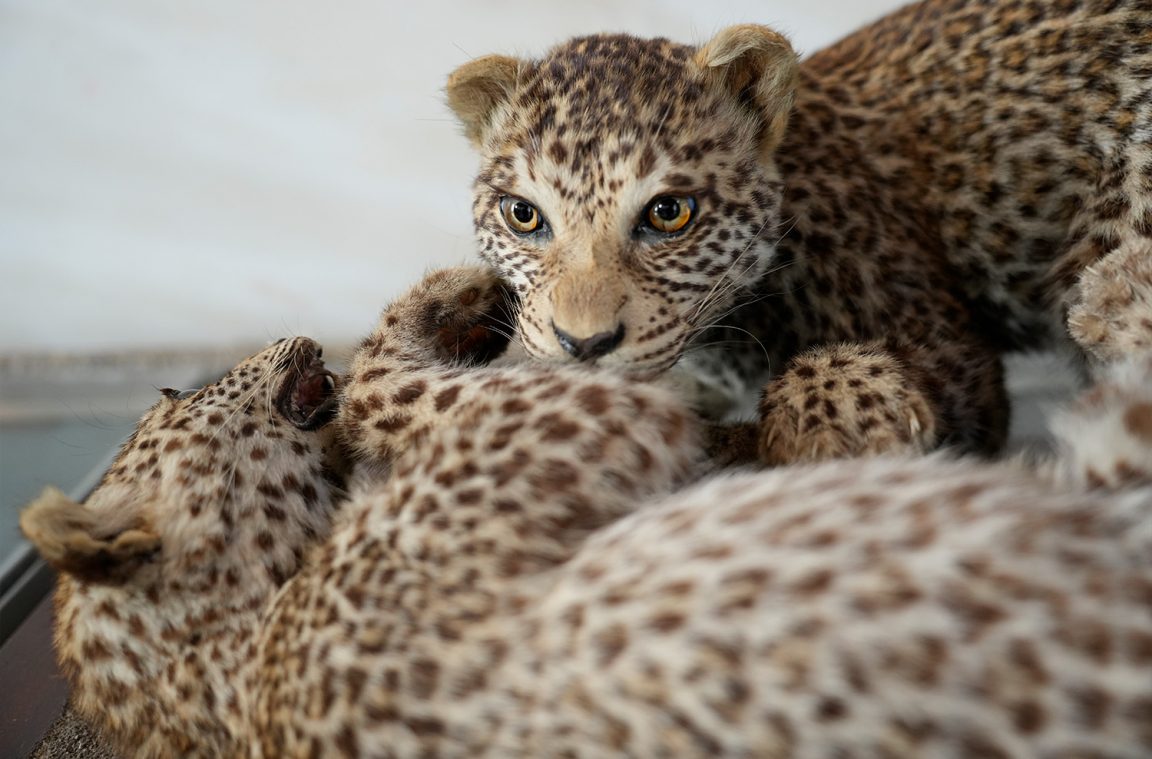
(181, 182)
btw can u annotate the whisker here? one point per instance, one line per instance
(725, 283)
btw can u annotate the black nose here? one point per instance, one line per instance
(589, 348)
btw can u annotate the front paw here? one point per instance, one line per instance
(1112, 315)
(464, 315)
(843, 401)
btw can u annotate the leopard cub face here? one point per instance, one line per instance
(626, 188)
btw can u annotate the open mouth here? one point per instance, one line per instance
(308, 397)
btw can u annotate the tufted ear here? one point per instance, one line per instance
(477, 89)
(93, 547)
(759, 68)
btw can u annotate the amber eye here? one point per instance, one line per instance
(520, 215)
(669, 213)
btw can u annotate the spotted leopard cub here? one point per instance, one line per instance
(493, 599)
(859, 234)
(167, 568)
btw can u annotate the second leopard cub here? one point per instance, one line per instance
(866, 230)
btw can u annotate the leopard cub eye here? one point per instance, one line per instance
(668, 214)
(521, 216)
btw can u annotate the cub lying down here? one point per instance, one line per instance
(527, 577)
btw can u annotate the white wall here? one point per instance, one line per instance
(185, 174)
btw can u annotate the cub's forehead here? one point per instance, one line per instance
(614, 83)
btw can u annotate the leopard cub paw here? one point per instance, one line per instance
(843, 401)
(1112, 315)
(463, 314)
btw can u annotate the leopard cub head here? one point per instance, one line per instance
(627, 189)
(235, 473)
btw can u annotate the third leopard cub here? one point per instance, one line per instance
(868, 228)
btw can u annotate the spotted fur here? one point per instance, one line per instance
(168, 566)
(945, 176)
(523, 575)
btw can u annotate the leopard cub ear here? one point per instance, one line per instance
(478, 89)
(91, 546)
(758, 67)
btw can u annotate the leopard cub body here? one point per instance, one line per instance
(521, 572)
(860, 233)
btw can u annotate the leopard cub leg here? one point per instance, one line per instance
(1111, 315)
(843, 400)
(404, 373)
(453, 315)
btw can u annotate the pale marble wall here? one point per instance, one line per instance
(179, 174)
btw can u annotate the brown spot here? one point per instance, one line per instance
(559, 430)
(1027, 661)
(1138, 421)
(372, 374)
(1087, 637)
(392, 423)
(409, 393)
(713, 552)
(1028, 717)
(425, 725)
(515, 406)
(471, 495)
(673, 588)
(646, 163)
(977, 613)
(269, 490)
(555, 475)
(666, 621)
(425, 675)
(1092, 706)
(593, 399)
(1139, 645)
(813, 582)
(347, 743)
(973, 743)
(95, 649)
(507, 506)
(830, 709)
(611, 641)
(557, 152)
